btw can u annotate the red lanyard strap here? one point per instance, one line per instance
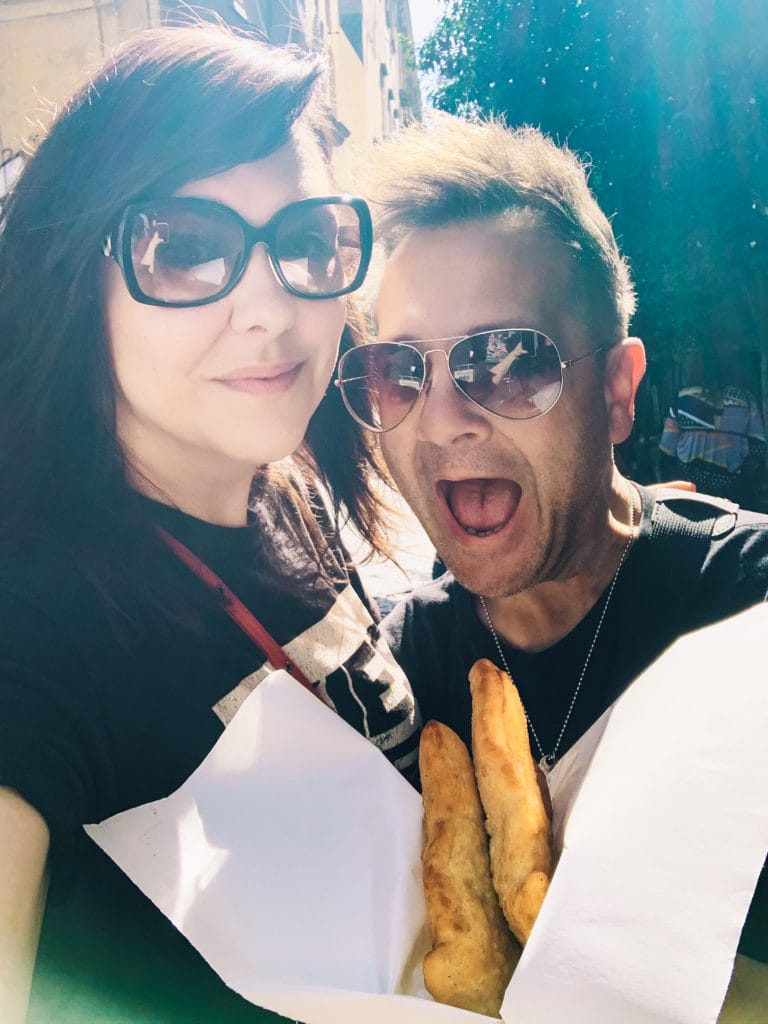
(237, 611)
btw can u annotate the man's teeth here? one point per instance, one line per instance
(483, 533)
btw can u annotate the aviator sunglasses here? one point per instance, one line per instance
(515, 373)
(184, 251)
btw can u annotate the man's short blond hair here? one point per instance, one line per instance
(450, 170)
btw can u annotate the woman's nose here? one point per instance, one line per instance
(259, 301)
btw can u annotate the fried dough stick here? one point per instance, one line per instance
(473, 952)
(517, 821)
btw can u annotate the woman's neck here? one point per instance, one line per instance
(221, 499)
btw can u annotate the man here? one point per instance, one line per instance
(504, 377)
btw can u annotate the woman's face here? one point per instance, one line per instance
(211, 392)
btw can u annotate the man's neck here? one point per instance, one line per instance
(535, 619)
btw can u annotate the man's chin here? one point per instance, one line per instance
(489, 577)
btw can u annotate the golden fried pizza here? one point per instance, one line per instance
(517, 820)
(473, 953)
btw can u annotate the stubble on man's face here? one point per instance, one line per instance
(561, 540)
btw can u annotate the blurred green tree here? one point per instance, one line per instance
(668, 100)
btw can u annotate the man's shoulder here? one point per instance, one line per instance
(685, 514)
(695, 504)
(435, 598)
(427, 612)
(711, 541)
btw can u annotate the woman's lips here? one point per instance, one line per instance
(481, 507)
(262, 380)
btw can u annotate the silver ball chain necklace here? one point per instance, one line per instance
(547, 761)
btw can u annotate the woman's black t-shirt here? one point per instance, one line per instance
(92, 723)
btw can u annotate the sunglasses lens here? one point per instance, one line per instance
(381, 382)
(515, 374)
(318, 248)
(183, 253)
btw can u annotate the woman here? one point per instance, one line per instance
(173, 270)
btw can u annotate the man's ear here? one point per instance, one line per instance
(624, 369)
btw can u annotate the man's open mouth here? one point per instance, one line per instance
(481, 507)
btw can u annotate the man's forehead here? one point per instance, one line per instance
(464, 275)
(522, 227)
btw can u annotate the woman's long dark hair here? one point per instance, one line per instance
(172, 106)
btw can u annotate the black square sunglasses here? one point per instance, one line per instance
(515, 373)
(185, 251)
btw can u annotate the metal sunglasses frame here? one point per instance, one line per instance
(564, 364)
(117, 245)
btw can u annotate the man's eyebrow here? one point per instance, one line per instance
(397, 338)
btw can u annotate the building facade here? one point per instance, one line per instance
(373, 81)
(48, 46)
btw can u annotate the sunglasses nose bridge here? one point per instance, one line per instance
(428, 372)
(253, 237)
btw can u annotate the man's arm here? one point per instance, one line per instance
(23, 854)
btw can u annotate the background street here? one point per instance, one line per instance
(415, 553)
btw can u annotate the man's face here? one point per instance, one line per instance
(507, 503)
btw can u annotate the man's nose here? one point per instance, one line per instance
(258, 300)
(444, 416)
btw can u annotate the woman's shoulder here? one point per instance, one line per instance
(35, 575)
(45, 693)
(45, 603)
(296, 530)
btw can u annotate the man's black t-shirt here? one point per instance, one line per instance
(93, 722)
(662, 592)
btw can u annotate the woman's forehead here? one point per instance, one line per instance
(299, 161)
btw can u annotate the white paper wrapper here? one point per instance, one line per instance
(291, 858)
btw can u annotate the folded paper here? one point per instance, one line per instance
(291, 857)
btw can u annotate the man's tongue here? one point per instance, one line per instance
(483, 506)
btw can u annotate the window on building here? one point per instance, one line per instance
(351, 21)
(278, 21)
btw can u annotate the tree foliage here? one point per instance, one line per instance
(668, 100)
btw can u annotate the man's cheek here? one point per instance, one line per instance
(400, 463)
